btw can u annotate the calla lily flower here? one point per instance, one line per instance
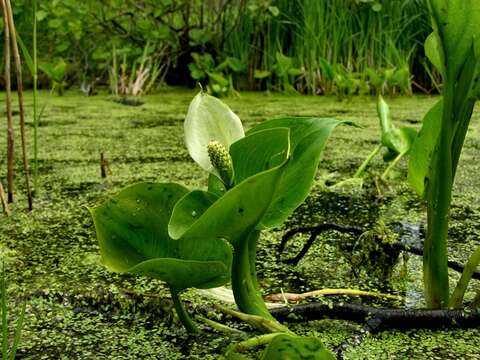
(210, 120)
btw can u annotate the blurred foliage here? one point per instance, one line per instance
(230, 45)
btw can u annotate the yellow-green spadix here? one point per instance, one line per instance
(210, 120)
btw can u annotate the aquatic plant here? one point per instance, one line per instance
(204, 239)
(397, 141)
(9, 350)
(454, 49)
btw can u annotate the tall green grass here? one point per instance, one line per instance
(349, 33)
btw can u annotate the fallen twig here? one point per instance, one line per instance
(291, 297)
(379, 319)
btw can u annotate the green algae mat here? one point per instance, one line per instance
(76, 309)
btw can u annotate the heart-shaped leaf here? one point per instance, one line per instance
(132, 226)
(132, 230)
(308, 137)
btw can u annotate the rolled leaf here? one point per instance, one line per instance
(434, 52)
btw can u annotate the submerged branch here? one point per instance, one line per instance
(315, 231)
(379, 319)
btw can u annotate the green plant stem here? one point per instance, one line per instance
(259, 322)
(253, 342)
(392, 165)
(361, 170)
(18, 332)
(244, 282)
(456, 300)
(35, 98)
(220, 327)
(439, 192)
(4, 315)
(182, 313)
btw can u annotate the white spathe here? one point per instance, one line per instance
(209, 119)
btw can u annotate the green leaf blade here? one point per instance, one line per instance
(308, 137)
(259, 152)
(182, 274)
(187, 210)
(132, 226)
(423, 148)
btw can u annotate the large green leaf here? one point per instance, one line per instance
(188, 209)
(182, 274)
(259, 151)
(456, 23)
(132, 230)
(424, 147)
(132, 226)
(292, 347)
(308, 137)
(235, 215)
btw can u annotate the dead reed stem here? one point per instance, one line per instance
(8, 102)
(18, 68)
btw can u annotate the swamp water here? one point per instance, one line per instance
(78, 310)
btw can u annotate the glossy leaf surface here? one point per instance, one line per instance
(132, 230)
(423, 148)
(237, 213)
(187, 210)
(308, 137)
(259, 151)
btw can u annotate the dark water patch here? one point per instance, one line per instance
(47, 123)
(157, 122)
(128, 102)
